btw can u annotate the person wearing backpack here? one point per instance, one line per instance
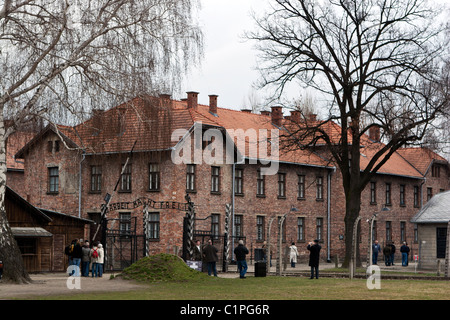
(69, 253)
(94, 260)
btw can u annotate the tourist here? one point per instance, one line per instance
(94, 260)
(210, 255)
(375, 250)
(293, 254)
(387, 254)
(85, 260)
(314, 255)
(392, 252)
(241, 251)
(77, 254)
(101, 259)
(404, 249)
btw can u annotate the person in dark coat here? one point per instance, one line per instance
(197, 256)
(404, 249)
(241, 251)
(387, 255)
(77, 254)
(392, 252)
(210, 256)
(314, 255)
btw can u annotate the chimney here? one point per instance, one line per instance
(295, 116)
(265, 113)
(374, 133)
(312, 117)
(165, 96)
(213, 103)
(192, 99)
(277, 115)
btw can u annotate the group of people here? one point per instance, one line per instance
(208, 254)
(389, 253)
(82, 257)
(314, 257)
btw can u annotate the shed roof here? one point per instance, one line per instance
(30, 232)
(437, 210)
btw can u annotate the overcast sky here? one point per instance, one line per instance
(228, 68)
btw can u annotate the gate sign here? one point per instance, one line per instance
(146, 202)
(416, 257)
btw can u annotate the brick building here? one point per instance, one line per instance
(71, 169)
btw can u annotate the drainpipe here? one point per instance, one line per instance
(80, 184)
(329, 215)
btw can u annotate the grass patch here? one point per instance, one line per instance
(161, 268)
(277, 288)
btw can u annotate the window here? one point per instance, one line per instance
(154, 176)
(153, 226)
(373, 192)
(388, 194)
(215, 227)
(402, 231)
(374, 231)
(96, 178)
(281, 185)
(238, 227)
(429, 193)
(301, 187)
(190, 177)
(215, 179)
(53, 146)
(53, 180)
(319, 229)
(388, 231)
(239, 181)
(27, 245)
(301, 229)
(259, 228)
(319, 185)
(416, 196)
(125, 181)
(124, 224)
(402, 195)
(260, 184)
(435, 171)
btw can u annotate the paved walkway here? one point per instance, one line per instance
(304, 269)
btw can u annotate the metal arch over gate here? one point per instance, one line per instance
(113, 239)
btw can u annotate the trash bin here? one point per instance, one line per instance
(260, 269)
(259, 255)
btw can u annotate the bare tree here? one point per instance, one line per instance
(61, 58)
(376, 63)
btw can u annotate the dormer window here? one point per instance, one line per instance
(53, 146)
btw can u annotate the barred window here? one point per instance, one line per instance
(153, 177)
(53, 180)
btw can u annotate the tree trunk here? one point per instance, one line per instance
(353, 207)
(13, 268)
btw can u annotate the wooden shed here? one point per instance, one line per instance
(41, 234)
(433, 222)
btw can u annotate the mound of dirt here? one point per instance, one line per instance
(161, 267)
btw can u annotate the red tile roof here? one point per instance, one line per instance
(150, 121)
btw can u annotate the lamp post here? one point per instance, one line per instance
(371, 220)
(280, 238)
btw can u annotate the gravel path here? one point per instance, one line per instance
(57, 283)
